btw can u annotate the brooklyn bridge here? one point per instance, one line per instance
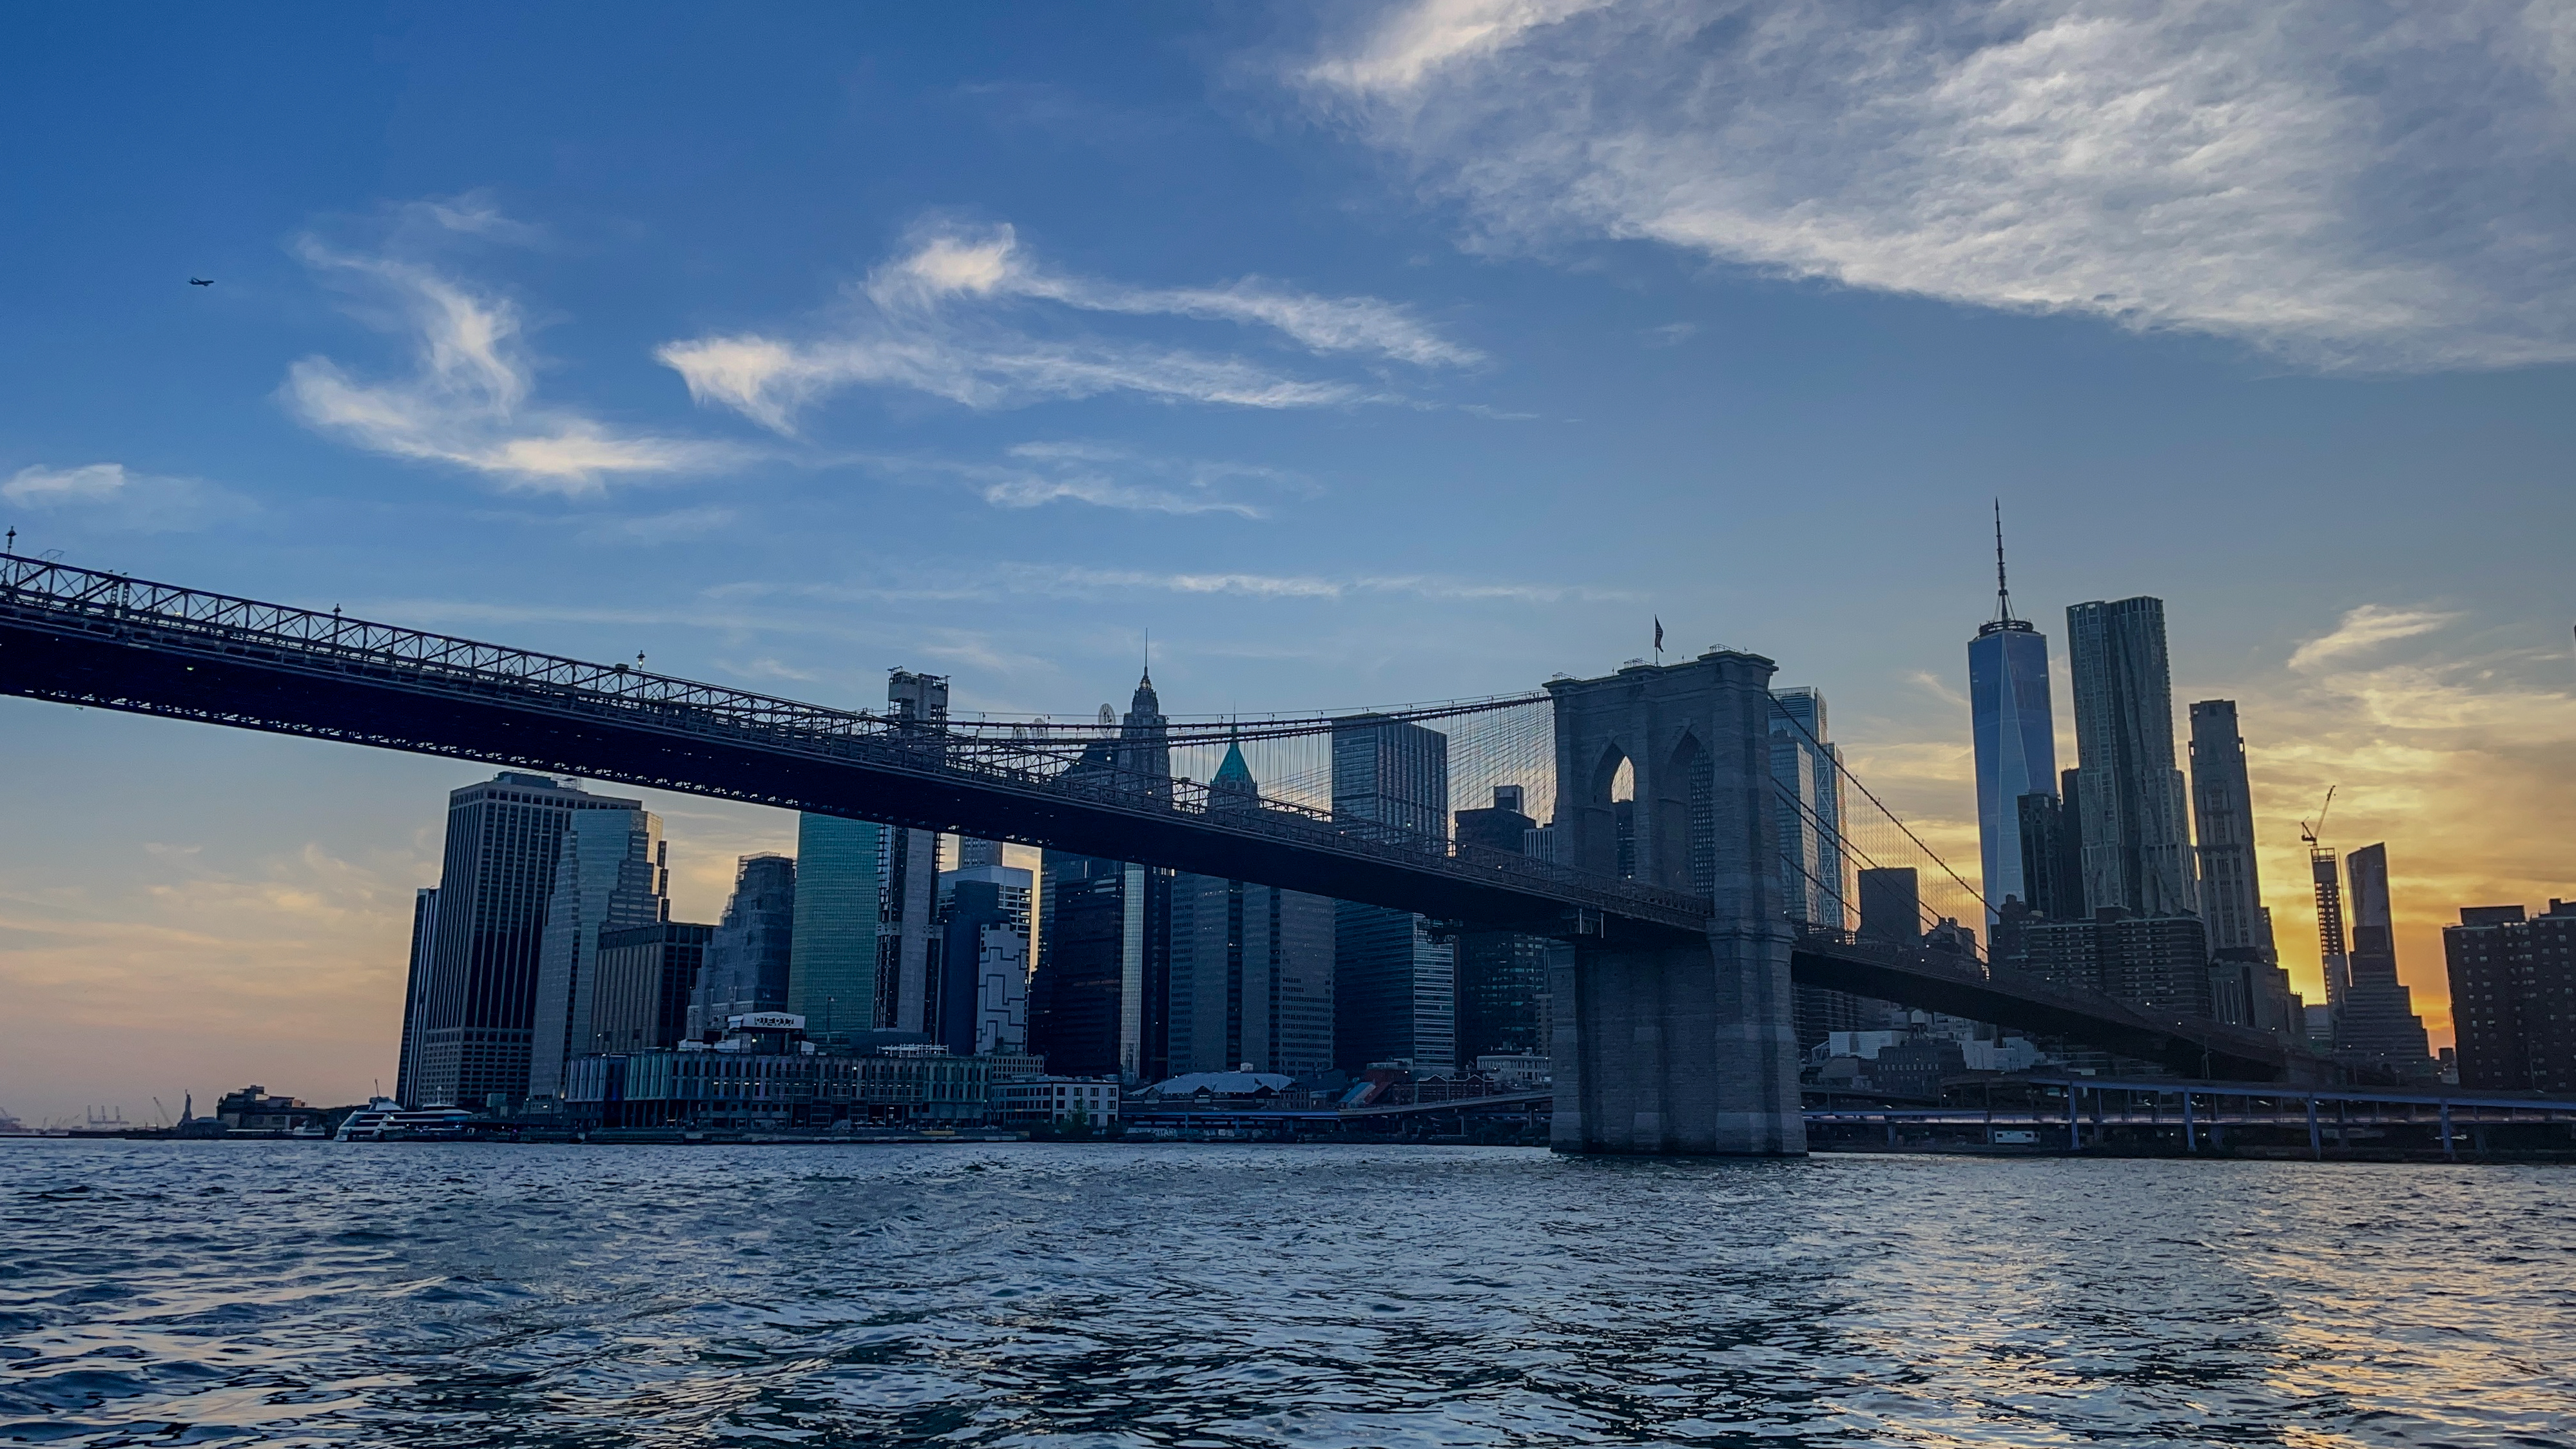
(1675, 1032)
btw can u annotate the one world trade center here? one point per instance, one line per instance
(2016, 738)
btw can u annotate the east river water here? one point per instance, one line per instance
(301, 1293)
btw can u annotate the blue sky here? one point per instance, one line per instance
(1363, 355)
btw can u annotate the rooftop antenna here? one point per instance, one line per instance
(2003, 591)
(1149, 656)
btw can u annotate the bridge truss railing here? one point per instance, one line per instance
(1057, 760)
(1967, 970)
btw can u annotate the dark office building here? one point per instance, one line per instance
(1891, 905)
(1104, 945)
(749, 951)
(1891, 913)
(2513, 997)
(1395, 990)
(2157, 962)
(646, 975)
(1252, 978)
(1099, 999)
(1503, 1005)
(474, 1018)
(1503, 826)
(973, 909)
(2376, 1024)
(2052, 858)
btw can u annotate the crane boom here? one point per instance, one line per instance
(2313, 833)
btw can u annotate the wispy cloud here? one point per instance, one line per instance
(1035, 474)
(1062, 579)
(936, 320)
(769, 670)
(1933, 685)
(468, 399)
(1046, 580)
(113, 496)
(676, 526)
(2364, 628)
(2345, 186)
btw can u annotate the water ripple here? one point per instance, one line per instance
(307, 1294)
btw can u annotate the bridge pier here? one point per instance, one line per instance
(1676, 1044)
(1683, 1048)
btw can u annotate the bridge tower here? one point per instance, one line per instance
(1665, 1045)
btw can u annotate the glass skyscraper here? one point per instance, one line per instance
(2016, 736)
(612, 875)
(1809, 770)
(832, 963)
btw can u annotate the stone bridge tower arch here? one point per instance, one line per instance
(1677, 1046)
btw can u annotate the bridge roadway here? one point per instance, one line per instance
(80, 637)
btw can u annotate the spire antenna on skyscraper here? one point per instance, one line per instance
(2003, 590)
(2004, 618)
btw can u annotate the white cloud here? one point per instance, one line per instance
(933, 320)
(2363, 628)
(111, 494)
(467, 399)
(992, 263)
(2345, 186)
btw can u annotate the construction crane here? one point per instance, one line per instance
(2313, 833)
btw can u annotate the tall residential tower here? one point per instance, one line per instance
(2134, 825)
(2231, 889)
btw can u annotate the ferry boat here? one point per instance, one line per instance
(385, 1120)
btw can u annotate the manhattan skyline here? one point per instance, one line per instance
(1194, 339)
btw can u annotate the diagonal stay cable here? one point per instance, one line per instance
(1923, 913)
(1897, 820)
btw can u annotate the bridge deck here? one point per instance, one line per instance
(81, 637)
(87, 638)
(1957, 986)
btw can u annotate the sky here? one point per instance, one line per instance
(1360, 354)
